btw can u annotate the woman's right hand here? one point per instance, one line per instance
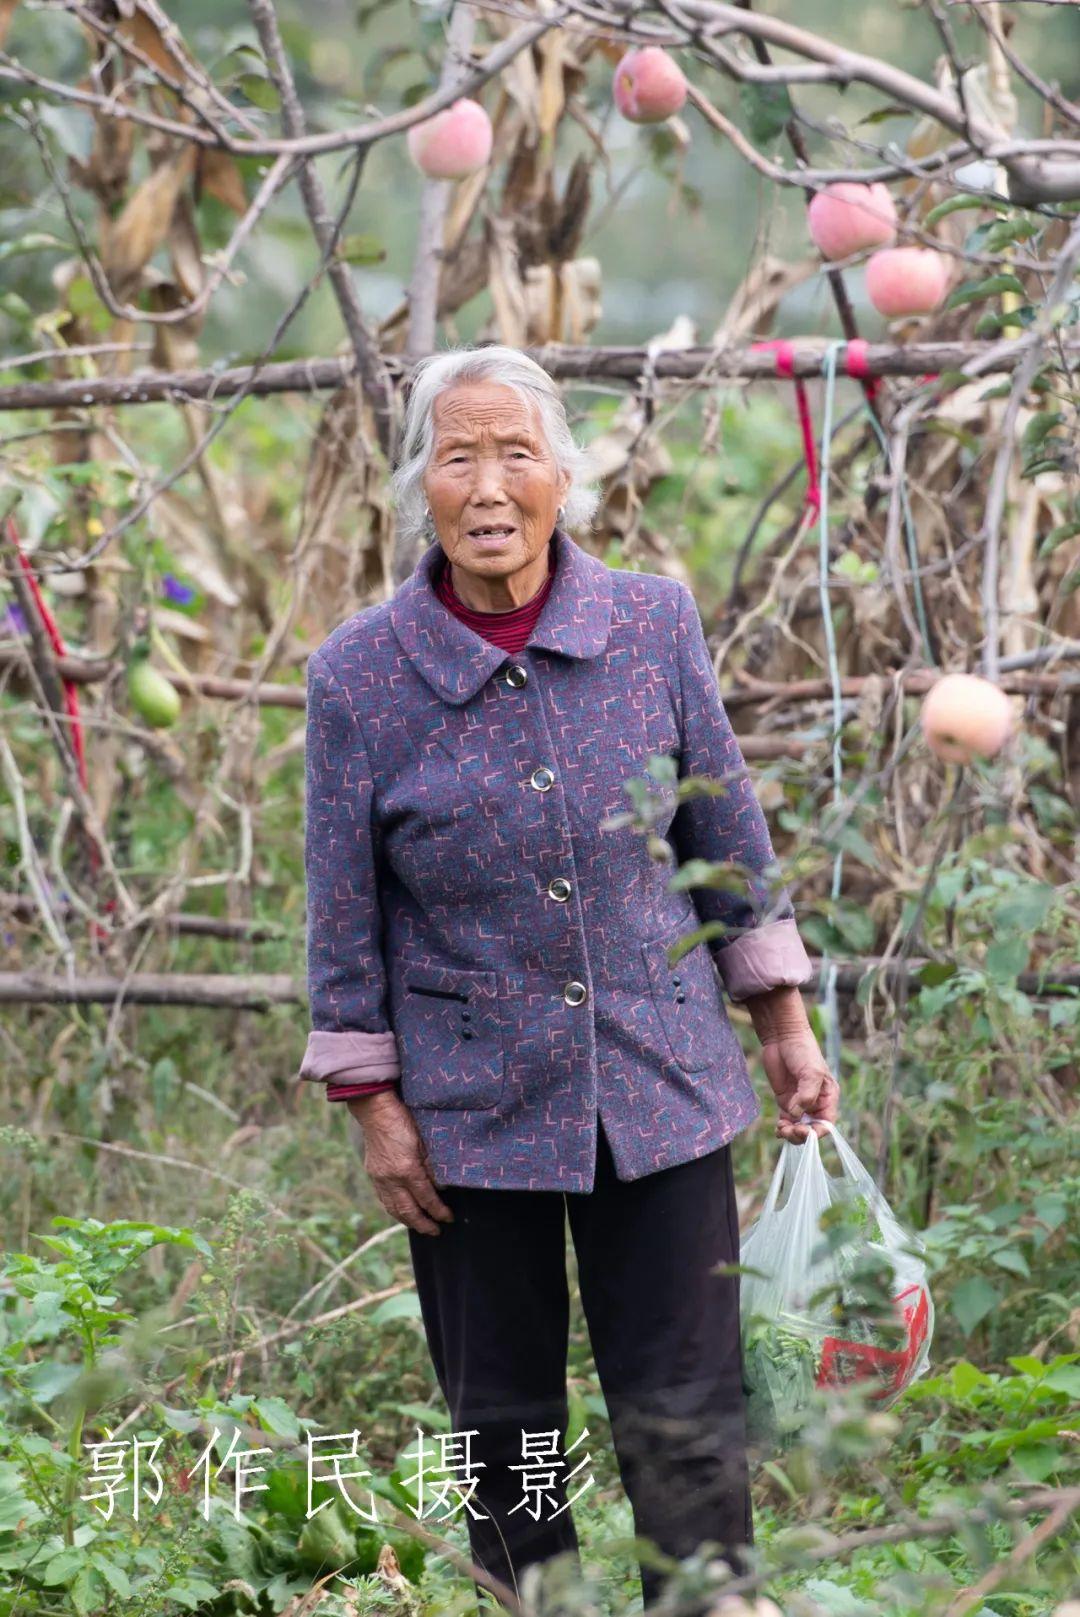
(396, 1161)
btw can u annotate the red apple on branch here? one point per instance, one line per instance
(964, 716)
(847, 217)
(906, 280)
(454, 143)
(648, 85)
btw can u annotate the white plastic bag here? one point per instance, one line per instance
(805, 1321)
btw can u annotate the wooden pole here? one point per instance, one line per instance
(222, 992)
(703, 366)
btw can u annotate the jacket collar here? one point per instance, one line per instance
(456, 661)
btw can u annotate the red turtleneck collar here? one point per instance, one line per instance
(509, 630)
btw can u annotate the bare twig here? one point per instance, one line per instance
(1046, 324)
(374, 378)
(356, 137)
(427, 264)
(272, 182)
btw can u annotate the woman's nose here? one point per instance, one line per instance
(488, 479)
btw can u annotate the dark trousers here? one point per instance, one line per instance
(665, 1337)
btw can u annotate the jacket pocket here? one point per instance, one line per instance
(450, 1038)
(687, 997)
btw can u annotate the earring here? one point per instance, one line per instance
(429, 520)
(560, 515)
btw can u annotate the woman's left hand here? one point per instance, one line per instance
(804, 1087)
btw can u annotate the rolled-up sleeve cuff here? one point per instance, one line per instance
(350, 1057)
(768, 956)
(336, 1091)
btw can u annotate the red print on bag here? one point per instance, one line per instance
(843, 1361)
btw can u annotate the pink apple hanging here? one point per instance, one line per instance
(847, 218)
(906, 280)
(455, 142)
(648, 85)
(964, 716)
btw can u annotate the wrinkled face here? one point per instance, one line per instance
(491, 468)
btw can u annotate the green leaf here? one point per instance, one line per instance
(1057, 536)
(1005, 231)
(972, 291)
(248, 53)
(405, 1305)
(32, 242)
(16, 308)
(834, 1598)
(63, 1567)
(49, 1378)
(936, 972)
(274, 1415)
(1038, 1461)
(1041, 423)
(955, 204)
(164, 1085)
(178, 1420)
(1052, 1208)
(1025, 907)
(15, 1507)
(114, 1575)
(1028, 1365)
(1051, 462)
(991, 322)
(972, 1301)
(86, 1592)
(362, 250)
(768, 110)
(286, 1493)
(952, 429)
(259, 91)
(966, 1377)
(855, 925)
(191, 1592)
(1006, 959)
(857, 569)
(83, 301)
(881, 115)
(424, 1415)
(1009, 1258)
(1065, 1378)
(327, 1541)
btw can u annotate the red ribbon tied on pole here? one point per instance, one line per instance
(853, 362)
(785, 363)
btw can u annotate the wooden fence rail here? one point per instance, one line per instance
(630, 367)
(257, 993)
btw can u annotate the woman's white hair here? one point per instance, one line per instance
(493, 363)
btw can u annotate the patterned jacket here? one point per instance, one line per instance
(477, 930)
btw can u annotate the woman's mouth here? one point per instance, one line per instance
(491, 533)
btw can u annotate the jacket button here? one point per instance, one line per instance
(542, 778)
(559, 887)
(516, 675)
(574, 993)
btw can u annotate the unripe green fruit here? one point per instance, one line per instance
(151, 694)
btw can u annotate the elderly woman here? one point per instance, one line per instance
(496, 989)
